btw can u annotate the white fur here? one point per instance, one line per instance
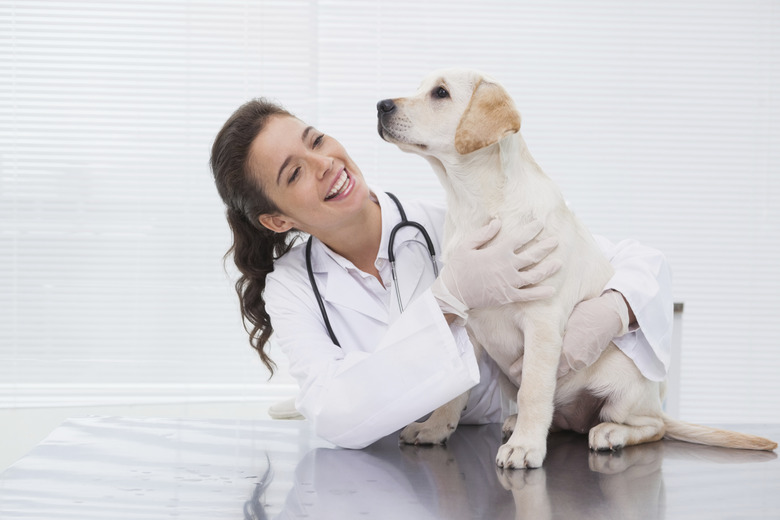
(503, 180)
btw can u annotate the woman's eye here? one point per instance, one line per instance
(318, 140)
(441, 93)
(294, 175)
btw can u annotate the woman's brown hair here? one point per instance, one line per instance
(254, 247)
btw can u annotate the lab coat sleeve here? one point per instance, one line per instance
(355, 398)
(643, 277)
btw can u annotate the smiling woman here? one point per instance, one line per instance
(275, 188)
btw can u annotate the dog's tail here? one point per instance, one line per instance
(687, 432)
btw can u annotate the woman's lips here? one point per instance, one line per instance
(341, 187)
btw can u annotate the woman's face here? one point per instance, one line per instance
(308, 175)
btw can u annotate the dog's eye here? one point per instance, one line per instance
(440, 92)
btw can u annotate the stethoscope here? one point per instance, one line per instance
(390, 255)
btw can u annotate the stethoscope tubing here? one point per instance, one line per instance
(317, 294)
(390, 255)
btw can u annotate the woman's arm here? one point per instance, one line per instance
(634, 311)
(643, 277)
(354, 397)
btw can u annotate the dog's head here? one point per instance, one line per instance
(454, 112)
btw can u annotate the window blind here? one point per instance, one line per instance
(112, 232)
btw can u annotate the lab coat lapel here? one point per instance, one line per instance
(339, 288)
(411, 261)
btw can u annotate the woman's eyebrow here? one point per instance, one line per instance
(289, 158)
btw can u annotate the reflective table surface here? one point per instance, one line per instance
(131, 468)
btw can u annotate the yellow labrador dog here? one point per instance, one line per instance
(467, 127)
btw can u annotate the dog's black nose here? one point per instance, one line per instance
(385, 106)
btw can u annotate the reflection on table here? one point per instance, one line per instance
(164, 468)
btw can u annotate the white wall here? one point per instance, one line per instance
(658, 120)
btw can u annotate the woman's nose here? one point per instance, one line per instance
(323, 164)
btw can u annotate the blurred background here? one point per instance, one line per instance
(658, 119)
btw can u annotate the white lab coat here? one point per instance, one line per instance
(393, 368)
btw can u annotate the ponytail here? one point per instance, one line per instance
(254, 247)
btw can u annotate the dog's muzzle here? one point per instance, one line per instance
(392, 125)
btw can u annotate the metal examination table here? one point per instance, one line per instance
(131, 468)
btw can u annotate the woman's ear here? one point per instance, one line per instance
(276, 223)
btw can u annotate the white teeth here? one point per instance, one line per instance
(341, 183)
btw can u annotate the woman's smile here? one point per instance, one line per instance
(341, 187)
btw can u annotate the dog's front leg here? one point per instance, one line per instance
(527, 446)
(439, 426)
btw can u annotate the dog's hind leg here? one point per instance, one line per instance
(632, 413)
(439, 426)
(509, 393)
(508, 427)
(609, 436)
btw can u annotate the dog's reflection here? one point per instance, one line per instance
(460, 480)
(578, 483)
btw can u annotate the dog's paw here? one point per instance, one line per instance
(509, 427)
(425, 433)
(607, 437)
(523, 454)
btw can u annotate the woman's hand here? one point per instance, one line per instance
(486, 273)
(592, 326)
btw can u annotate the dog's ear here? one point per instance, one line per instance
(490, 116)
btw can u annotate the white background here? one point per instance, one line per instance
(659, 120)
